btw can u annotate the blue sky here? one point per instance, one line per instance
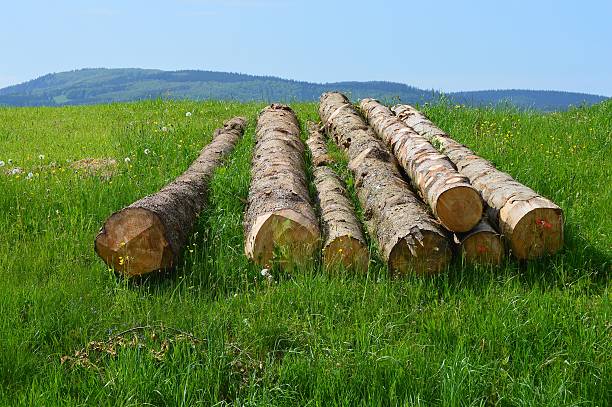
(444, 45)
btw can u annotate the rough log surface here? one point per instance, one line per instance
(408, 237)
(532, 224)
(449, 194)
(150, 234)
(481, 245)
(343, 240)
(279, 212)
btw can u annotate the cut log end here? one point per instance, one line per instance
(539, 232)
(484, 247)
(347, 252)
(286, 230)
(430, 256)
(133, 242)
(460, 208)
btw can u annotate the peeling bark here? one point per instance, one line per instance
(532, 224)
(150, 234)
(408, 237)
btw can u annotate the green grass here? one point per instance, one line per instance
(522, 334)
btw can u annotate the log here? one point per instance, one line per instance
(279, 215)
(343, 240)
(481, 245)
(410, 240)
(449, 194)
(532, 224)
(150, 234)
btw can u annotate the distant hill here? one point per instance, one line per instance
(91, 86)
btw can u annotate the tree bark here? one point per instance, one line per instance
(150, 234)
(449, 194)
(409, 238)
(481, 245)
(279, 214)
(532, 224)
(343, 241)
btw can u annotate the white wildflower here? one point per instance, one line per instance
(10, 161)
(15, 171)
(147, 151)
(188, 114)
(164, 129)
(267, 275)
(127, 160)
(2, 163)
(41, 157)
(30, 175)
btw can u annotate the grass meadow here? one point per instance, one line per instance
(215, 332)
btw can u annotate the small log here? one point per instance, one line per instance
(410, 240)
(532, 224)
(449, 194)
(481, 245)
(343, 241)
(279, 212)
(150, 234)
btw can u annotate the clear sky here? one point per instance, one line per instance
(444, 45)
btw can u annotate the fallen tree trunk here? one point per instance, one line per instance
(150, 234)
(343, 241)
(279, 214)
(449, 194)
(532, 224)
(408, 237)
(481, 245)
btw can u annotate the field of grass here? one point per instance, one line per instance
(215, 332)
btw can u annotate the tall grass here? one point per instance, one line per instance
(537, 333)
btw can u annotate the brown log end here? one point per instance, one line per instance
(348, 252)
(133, 242)
(484, 247)
(459, 208)
(286, 229)
(538, 231)
(429, 256)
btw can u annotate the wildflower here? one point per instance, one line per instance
(30, 175)
(41, 157)
(164, 129)
(15, 171)
(10, 161)
(127, 160)
(188, 114)
(147, 151)
(2, 164)
(266, 273)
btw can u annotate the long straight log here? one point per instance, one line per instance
(343, 241)
(409, 238)
(279, 212)
(150, 234)
(532, 224)
(449, 194)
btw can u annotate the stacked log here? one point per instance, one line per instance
(279, 213)
(408, 237)
(481, 245)
(532, 224)
(449, 194)
(150, 234)
(343, 240)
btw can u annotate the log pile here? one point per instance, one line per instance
(151, 233)
(410, 240)
(279, 215)
(343, 240)
(532, 224)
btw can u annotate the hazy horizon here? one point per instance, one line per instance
(443, 46)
